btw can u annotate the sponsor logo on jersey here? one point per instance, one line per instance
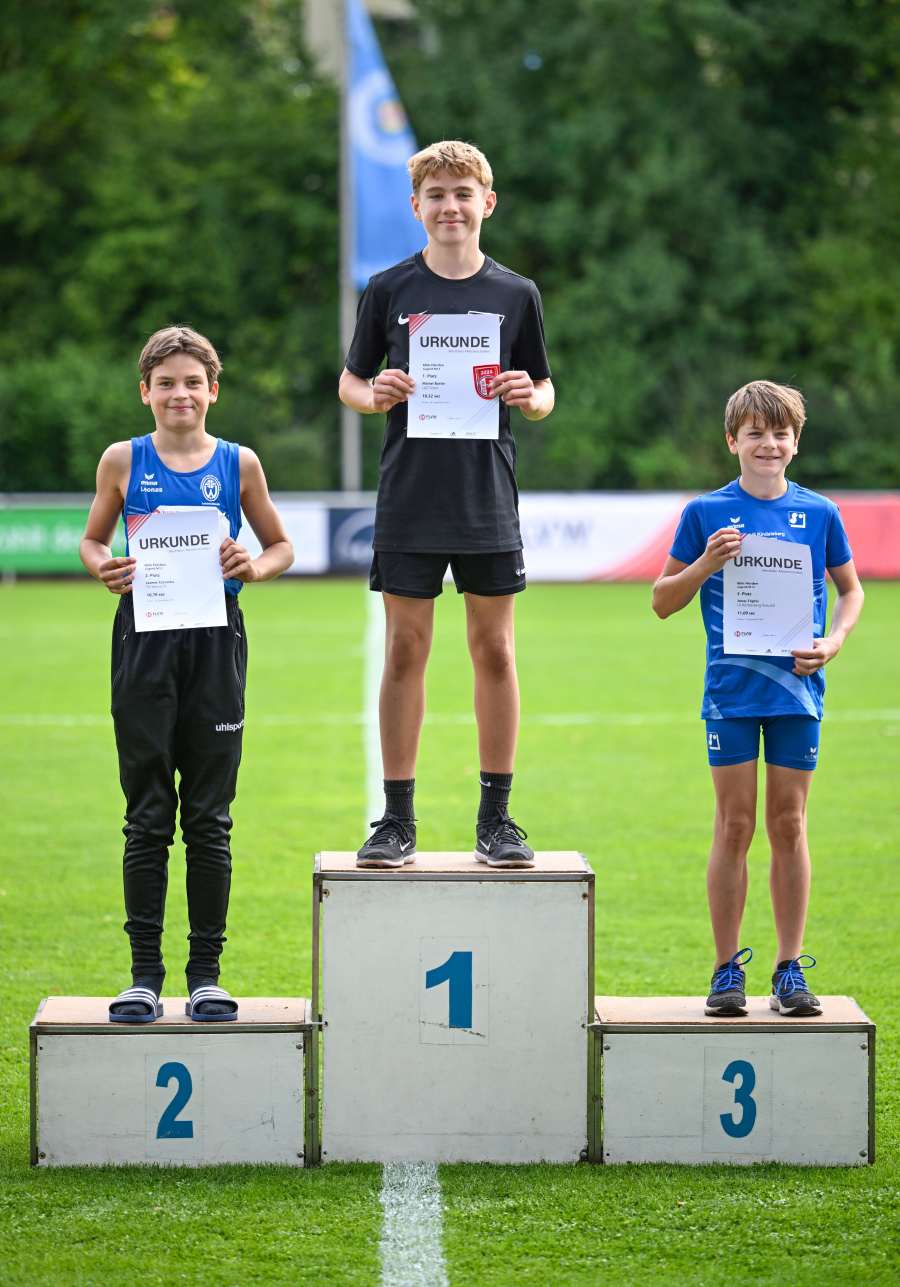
(229, 728)
(149, 483)
(210, 487)
(735, 520)
(403, 321)
(483, 377)
(796, 518)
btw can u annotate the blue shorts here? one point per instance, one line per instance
(790, 740)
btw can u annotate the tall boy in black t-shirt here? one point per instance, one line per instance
(444, 501)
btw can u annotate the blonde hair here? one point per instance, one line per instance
(777, 405)
(454, 156)
(179, 339)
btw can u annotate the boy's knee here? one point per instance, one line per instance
(737, 828)
(493, 655)
(785, 828)
(407, 651)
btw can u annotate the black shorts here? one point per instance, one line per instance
(421, 576)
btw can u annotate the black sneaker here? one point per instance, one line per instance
(393, 843)
(500, 843)
(726, 992)
(790, 995)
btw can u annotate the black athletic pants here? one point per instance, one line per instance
(178, 706)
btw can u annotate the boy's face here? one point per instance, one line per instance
(452, 209)
(761, 449)
(179, 395)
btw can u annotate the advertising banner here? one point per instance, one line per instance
(567, 536)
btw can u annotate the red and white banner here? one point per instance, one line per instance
(574, 536)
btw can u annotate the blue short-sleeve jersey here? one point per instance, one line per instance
(750, 686)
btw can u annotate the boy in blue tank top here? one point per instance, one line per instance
(178, 695)
(783, 696)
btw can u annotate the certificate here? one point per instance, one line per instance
(178, 582)
(453, 357)
(768, 598)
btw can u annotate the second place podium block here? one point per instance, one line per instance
(455, 1001)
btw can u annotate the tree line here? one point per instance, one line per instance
(705, 191)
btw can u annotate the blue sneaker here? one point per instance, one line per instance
(790, 995)
(726, 994)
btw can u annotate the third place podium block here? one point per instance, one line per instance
(680, 1086)
(455, 1000)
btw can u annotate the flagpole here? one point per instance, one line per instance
(351, 421)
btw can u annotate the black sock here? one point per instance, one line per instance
(398, 797)
(153, 982)
(495, 789)
(782, 965)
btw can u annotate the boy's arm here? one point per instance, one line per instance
(112, 485)
(679, 582)
(277, 551)
(847, 607)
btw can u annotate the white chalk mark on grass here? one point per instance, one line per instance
(412, 1250)
(373, 666)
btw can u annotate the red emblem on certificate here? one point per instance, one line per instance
(483, 376)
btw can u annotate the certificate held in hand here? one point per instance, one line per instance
(768, 598)
(453, 357)
(178, 581)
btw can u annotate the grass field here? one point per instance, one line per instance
(632, 791)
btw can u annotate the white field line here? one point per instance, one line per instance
(373, 664)
(369, 719)
(412, 1250)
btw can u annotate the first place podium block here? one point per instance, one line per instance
(681, 1086)
(170, 1092)
(456, 999)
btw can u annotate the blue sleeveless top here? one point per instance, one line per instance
(217, 484)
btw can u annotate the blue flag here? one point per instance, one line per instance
(385, 230)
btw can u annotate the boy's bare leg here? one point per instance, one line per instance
(489, 632)
(409, 627)
(789, 874)
(726, 875)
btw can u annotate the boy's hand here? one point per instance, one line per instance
(807, 662)
(117, 574)
(391, 387)
(516, 388)
(721, 546)
(236, 562)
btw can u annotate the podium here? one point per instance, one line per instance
(455, 1005)
(670, 1084)
(173, 1091)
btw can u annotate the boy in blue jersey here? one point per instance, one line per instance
(743, 694)
(178, 695)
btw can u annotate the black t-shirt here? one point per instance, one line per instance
(436, 494)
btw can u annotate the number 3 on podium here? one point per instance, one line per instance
(743, 1097)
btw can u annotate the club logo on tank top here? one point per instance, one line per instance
(210, 487)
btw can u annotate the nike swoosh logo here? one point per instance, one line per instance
(520, 571)
(403, 321)
(406, 846)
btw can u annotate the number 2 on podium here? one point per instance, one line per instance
(169, 1128)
